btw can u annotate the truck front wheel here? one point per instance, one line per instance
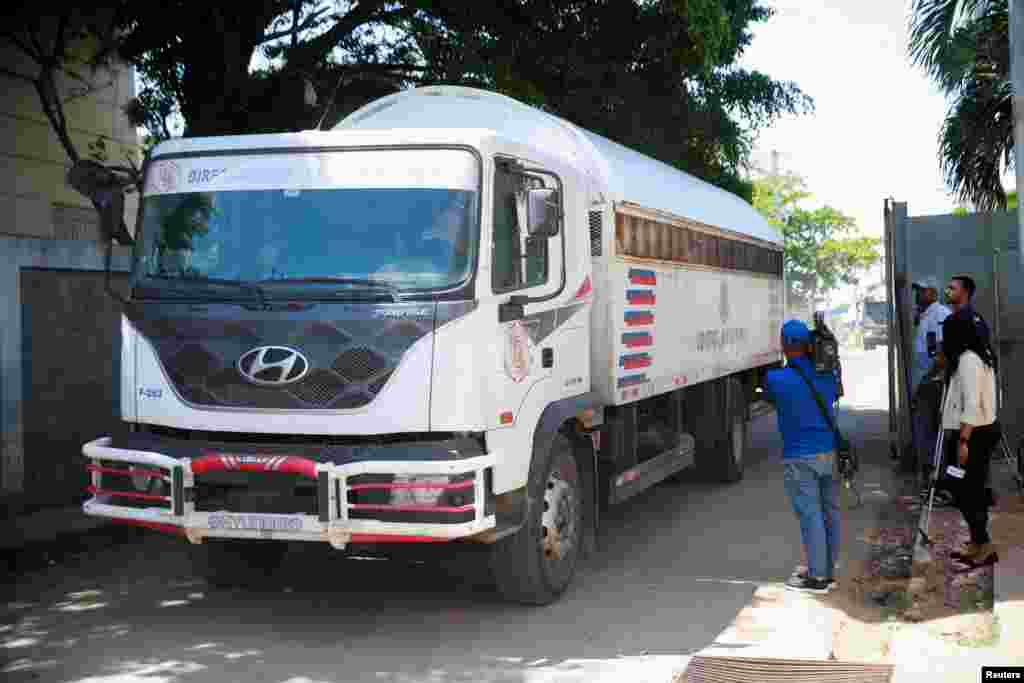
(537, 563)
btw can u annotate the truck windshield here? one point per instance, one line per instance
(386, 225)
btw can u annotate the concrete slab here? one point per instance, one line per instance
(777, 624)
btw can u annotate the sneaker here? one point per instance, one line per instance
(799, 575)
(806, 584)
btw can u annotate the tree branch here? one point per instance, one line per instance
(379, 68)
(23, 46)
(361, 14)
(54, 114)
(306, 23)
(60, 42)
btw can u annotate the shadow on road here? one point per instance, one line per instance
(673, 568)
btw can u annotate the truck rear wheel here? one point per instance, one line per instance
(721, 429)
(537, 563)
(227, 564)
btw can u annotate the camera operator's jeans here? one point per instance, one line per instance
(813, 491)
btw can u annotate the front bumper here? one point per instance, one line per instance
(175, 511)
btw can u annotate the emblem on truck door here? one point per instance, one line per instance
(517, 351)
(273, 365)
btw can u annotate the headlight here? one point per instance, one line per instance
(141, 479)
(414, 489)
(145, 482)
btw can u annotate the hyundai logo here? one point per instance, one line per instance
(273, 366)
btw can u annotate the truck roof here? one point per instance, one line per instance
(445, 113)
(623, 173)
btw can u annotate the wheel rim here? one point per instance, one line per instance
(559, 522)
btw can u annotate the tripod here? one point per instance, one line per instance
(1012, 459)
(936, 471)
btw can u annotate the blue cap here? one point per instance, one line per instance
(795, 331)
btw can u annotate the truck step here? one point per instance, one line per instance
(650, 472)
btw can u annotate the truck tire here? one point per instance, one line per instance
(237, 563)
(722, 430)
(535, 565)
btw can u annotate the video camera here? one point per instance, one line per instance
(825, 351)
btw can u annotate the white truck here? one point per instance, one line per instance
(453, 317)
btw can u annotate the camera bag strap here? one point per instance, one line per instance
(821, 404)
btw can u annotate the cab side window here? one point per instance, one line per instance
(519, 261)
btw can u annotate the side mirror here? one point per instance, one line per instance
(106, 191)
(543, 215)
(110, 204)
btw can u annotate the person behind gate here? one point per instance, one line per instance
(808, 456)
(972, 432)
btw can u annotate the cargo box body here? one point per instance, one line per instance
(659, 324)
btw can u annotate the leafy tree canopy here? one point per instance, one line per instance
(964, 47)
(655, 75)
(823, 247)
(659, 76)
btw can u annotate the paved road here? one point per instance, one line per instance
(674, 567)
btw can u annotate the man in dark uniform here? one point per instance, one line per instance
(960, 295)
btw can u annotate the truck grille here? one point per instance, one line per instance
(351, 358)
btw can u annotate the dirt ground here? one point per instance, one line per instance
(871, 603)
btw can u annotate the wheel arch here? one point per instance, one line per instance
(565, 416)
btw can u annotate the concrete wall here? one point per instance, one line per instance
(88, 316)
(35, 201)
(49, 244)
(71, 346)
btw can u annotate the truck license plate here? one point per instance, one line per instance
(264, 523)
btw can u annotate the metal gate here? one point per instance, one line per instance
(984, 246)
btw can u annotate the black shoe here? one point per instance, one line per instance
(806, 584)
(802, 575)
(972, 563)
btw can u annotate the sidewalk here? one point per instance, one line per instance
(925, 650)
(876, 617)
(798, 637)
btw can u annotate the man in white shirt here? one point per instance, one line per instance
(927, 392)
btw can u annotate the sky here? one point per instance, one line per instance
(874, 130)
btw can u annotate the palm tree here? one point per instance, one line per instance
(964, 46)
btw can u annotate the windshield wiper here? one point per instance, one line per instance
(368, 282)
(238, 284)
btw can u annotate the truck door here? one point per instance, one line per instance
(524, 266)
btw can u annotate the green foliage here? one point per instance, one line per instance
(776, 196)
(963, 46)
(1011, 205)
(655, 75)
(823, 248)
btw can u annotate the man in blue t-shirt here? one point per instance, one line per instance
(808, 456)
